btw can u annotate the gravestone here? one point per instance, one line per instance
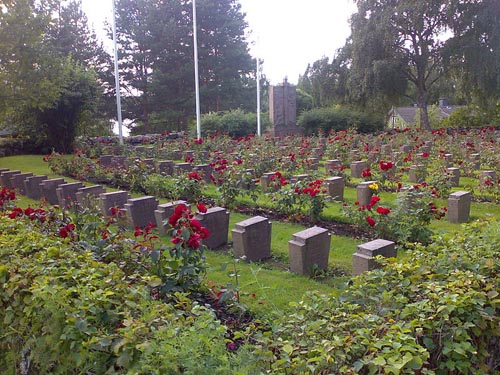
(357, 168)
(216, 220)
(417, 173)
(119, 161)
(487, 175)
(317, 152)
(204, 170)
(113, 199)
(363, 259)
(454, 175)
(332, 166)
(364, 193)
(181, 168)
(165, 167)
(459, 207)
(106, 160)
(86, 195)
(252, 239)
(312, 163)
(405, 149)
(309, 250)
(283, 110)
(5, 178)
(32, 186)
(49, 187)
(141, 211)
(189, 155)
(66, 193)
(299, 177)
(3, 170)
(336, 187)
(475, 159)
(448, 160)
(17, 181)
(163, 212)
(265, 181)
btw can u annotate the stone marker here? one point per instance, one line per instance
(86, 195)
(66, 193)
(299, 177)
(459, 207)
(163, 212)
(165, 167)
(364, 193)
(216, 220)
(265, 181)
(487, 175)
(252, 239)
(417, 173)
(106, 160)
(363, 259)
(406, 149)
(448, 160)
(5, 178)
(113, 199)
(283, 110)
(4, 170)
(454, 175)
(357, 168)
(309, 250)
(476, 161)
(181, 168)
(119, 161)
(204, 170)
(141, 211)
(336, 187)
(48, 189)
(32, 186)
(17, 181)
(332, 166)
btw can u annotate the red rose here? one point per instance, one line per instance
(371, 222)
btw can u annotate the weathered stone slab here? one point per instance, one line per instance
(363, 259)
(165, 167)
(66, 193)
(163, 212)
(5, 178)
(265, 181)
(309, 251)
(216, 220)
(204, 170)
(32, 186)
(488, 175)
(364, 193)
(85, 196)
(336, 187)
(417, 173)
(454, 174)
(48, 189)
(141, 211)
(106, 160)
(113, 199)
(332, 166)
(357, 168)
(252, 239)
(181, 168)
(17, 182)
(299, 177)
(119, 161)
(459, 207)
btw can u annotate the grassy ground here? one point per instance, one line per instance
(268, 287)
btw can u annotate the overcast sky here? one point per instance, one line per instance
(287, 34)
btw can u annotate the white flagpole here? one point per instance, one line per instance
(259, 129)
(196, 78)
(117, 79)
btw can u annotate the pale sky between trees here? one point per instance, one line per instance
(287, 34)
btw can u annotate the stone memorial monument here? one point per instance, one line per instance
(283, 110)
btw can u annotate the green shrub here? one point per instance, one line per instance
(236, 123)
(337, 118)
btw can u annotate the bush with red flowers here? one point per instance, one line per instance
(180, 266)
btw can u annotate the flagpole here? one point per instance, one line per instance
(117, 79)
(259, 129)
(196, 78)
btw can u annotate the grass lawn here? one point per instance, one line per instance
(268, 287)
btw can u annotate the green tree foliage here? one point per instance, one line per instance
(337, 118)
(49, 92)
(236, 123)
(473, 55)
(156, 45)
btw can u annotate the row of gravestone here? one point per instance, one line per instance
(308, 249)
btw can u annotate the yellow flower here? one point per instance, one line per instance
(373, 186)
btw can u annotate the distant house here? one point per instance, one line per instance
(406, 117)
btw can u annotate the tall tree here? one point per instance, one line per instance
(156, 59)
(401, 39)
